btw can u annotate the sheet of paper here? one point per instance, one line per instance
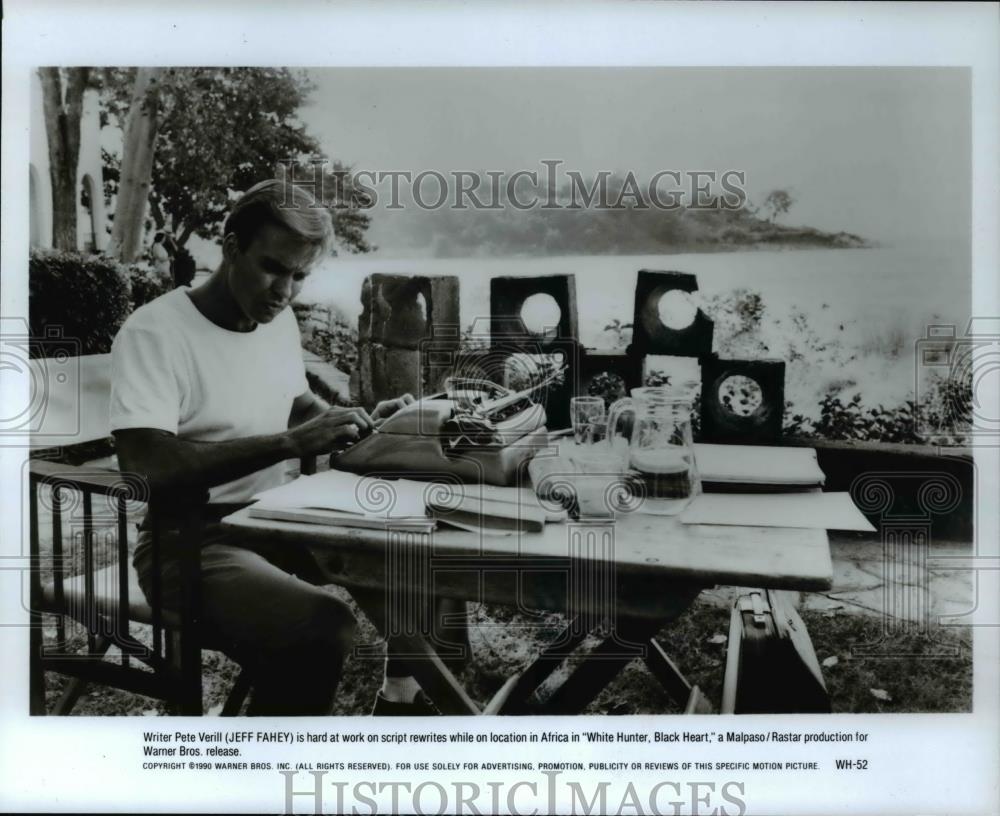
(758, 464)
(829, 511)
(519, 496)
(349, 493)
(335, 518)
(507, 495)
(473, 528)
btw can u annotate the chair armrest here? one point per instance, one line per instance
(105, 480)
(88, 479)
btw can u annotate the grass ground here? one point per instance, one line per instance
(502, 642)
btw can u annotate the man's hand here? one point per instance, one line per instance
(387, 408)
(335, 427)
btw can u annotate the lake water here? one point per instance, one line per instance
(876, 301)
(869, 285)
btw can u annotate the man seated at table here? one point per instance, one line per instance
(209, 399)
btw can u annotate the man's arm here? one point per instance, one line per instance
(308, 406)
(305, 407)
(168, 462)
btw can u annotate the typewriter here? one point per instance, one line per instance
(478, 432)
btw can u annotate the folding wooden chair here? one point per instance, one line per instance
(106, 599)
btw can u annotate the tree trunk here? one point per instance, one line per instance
(185, 235)
(137, 167)
(159, 221)
(63, 109)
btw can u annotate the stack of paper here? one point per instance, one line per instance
(749, 468)
(490, 509)
(336, 518)
(818, 511)
(347, 500)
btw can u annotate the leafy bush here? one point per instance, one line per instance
(473, 339)
(85, 297)
(944, 419)
(832, 365)
(738, 316)
(328, 335)
(619, 333)
(147, 284)
(749, 309)
(655, 379)
(523, 372)
(851, 420)
(608, 386)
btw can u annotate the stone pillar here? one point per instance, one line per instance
(400, 316)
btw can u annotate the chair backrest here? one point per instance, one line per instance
(103, 599)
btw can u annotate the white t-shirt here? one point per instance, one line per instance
(175, 370)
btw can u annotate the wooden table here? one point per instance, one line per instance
(626, 578)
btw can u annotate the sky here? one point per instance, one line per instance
(881, 152)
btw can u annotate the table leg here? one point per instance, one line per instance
(674, 683)
(629, 640)
(512, 696)
(434, 677)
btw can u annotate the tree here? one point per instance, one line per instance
(220, 131)
(778, 202)
(136, 166)
(334, 186)
(62, 106)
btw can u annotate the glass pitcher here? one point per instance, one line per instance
(650, 433)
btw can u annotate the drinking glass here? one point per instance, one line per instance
(587, 414)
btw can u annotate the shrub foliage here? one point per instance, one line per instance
(85, 297)
(147, 284)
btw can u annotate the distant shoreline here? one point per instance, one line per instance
(404, 253)
(696, 249)
(684, 233)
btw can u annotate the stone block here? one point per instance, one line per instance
(400, 307)
(371, 359)
(400, 374)
(400, 310)
(507, 297)
(649, 333)
(762, 425)
(444, 303)
(365, 318)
